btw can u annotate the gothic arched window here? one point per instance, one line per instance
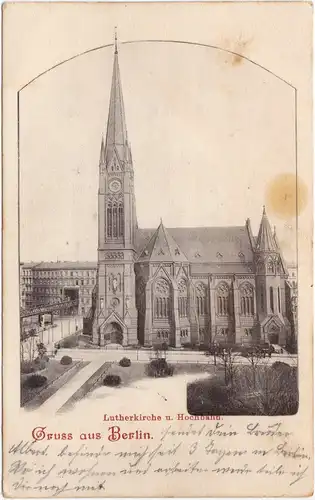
(247, 299)
(162, 295)
(279, 299)
(271, 266)
(271, 299)
(222, 293)
(114, 219)
(201, 296)
(120, 220)
(109, 220)
(182, 299)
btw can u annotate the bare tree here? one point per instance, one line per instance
(254, 357)
(23, 338)
(28, 343)
(276, 390)
(228, 359)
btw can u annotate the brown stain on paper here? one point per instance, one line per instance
(286, 196)
(240, 48)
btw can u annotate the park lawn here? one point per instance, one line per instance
(128, 374)
(53, 371)
(137, 371)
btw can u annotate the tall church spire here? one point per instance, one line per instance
(116, 50)
(116, 136)
(265, 239)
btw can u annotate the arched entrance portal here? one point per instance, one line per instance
(113, 334)
(273, 334)
(273, 338)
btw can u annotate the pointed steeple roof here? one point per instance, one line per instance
(265, 240)
(116, 135)
(162, 248)
(102, 152)
(275, 237)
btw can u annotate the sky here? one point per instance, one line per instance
(208, 133)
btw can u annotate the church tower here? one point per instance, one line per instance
(270, 286)
(116, 316)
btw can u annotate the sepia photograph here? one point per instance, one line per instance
(168, 300)
(157, 249)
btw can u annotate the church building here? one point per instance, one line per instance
(195, 285)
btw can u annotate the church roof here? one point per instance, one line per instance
(207, 244)
(116, 135)
(162, 247)
(265, 240)
(61, 265)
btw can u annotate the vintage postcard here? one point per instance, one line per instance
(157, 249)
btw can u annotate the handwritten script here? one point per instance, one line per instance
(200, 449)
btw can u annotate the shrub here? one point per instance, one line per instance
(39, 364)
(125, 362)
(41, 349)
(69, 342)
(112, 380)
(27, 367)
(34, 381)
(66, 360)
(159, 368)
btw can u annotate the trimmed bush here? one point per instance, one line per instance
(66, 360)
(125, 362)
(27, 367)
(159, 368)
(34, 381)
(112, 380)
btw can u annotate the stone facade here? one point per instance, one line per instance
(44, 283)
(181, 285)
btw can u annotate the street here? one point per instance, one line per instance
(142, 355)
(62, 327)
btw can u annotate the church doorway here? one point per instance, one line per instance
(113, 334)
(273, 338)
(273, 334)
